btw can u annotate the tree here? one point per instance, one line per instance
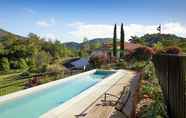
(95, 45)
(86, 46)
(4, 64)
(122, 41)
(98, 58)
(22, 64)
(115, 41)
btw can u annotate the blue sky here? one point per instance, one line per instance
(71, 20)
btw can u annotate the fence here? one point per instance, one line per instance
(171, 71)
(12, 84)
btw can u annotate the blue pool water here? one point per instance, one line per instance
(34, 105)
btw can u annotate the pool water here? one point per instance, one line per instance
(35, 104)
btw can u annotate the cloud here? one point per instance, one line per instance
(30, 11)
(45, 23)
(90, 31)
(51, 36)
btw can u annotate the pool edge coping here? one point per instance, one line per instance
(72, 107)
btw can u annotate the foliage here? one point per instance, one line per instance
(25, 74)
(115, 41)
(170, 50)
(173, 50)
(4, 64)
(122, 41)
(150, 90)
(33, 82)
(140, 54)
(160, 40)
(97, 59)
(33, 52)
(22, 64)
(158, 46)
(149, 72)
(137, 65)
(55, 69)
(121, 65)
(95, 45)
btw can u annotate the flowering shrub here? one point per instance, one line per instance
(33, 82)
(98, 58)
(141, 54)
(173, 50)
(170, 50)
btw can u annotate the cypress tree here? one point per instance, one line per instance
(114, 41)
(122, 41)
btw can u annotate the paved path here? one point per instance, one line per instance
(100, 110)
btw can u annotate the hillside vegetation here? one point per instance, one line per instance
(161, 41)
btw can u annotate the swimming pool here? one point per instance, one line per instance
(34, 104)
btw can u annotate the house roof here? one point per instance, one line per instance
(80, 63)
(77, 63)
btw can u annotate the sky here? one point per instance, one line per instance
(72, 20)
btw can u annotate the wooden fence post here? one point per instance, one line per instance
(171, 71)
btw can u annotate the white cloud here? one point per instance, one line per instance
(45, 23)
(90, 31)
(51, 36)
(30, 11)
(175, 28)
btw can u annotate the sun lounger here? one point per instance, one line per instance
(120, 101)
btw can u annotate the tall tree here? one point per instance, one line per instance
(115, 41)
(122, 41)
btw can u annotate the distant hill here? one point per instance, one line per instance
(151, 39)
(4, 33)
(77, 46)
(72, 45)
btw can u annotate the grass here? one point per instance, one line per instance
(9, 82)
(13, 82)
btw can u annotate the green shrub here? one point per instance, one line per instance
(155, 110)
(150, 89)
(22, 64)
(138, 66)
(121, 65)
(4, 64)
(25, 74)
(149, 72)
(55, 69)
(14, 65)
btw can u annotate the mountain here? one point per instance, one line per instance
(77, 46)
(4, 33)
(72, 45)
(151, 39)
(98, 40)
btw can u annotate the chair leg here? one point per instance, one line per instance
(123, 113)
(105, 97)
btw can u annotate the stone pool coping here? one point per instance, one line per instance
(81, 102)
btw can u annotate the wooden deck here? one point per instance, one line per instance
(102, 110)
